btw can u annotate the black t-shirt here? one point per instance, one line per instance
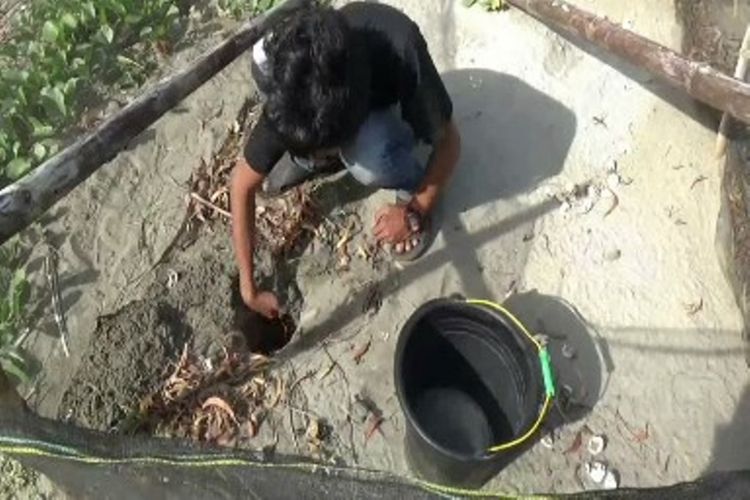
(402, 73)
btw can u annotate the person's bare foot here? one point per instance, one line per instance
(415, 245)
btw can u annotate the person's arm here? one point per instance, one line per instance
(439, 169)
(245, 182)
(391, 221)
(429, 111)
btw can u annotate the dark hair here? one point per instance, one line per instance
(320, 80)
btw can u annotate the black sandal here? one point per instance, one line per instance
(421, 234)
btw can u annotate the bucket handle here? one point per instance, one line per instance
(547, 375)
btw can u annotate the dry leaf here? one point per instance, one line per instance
(279, 394)
(313, 429)
(313, 436)
(375, 422)
(362, 253)
(615, 202)
(361, 352)
(694, 308)
(575, 446)
(345, 238)
(327, 372)
(698, 180)
(640, 436)
(250, 428)
(217, 402)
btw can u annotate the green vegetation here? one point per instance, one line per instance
(62, 57)
(239, 8)
(64, 54)
(489, 5)
(63, 51)
(14, 295)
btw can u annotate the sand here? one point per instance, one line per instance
(625, 271)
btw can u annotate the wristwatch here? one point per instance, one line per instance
(413, 219)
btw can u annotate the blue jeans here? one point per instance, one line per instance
(382, 153)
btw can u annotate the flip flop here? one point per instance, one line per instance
(423, 239)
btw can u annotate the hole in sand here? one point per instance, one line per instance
(252, 332)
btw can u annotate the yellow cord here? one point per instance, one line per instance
(547, 399)
(32, 448)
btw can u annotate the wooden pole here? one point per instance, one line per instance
(25, 200)
(740, 72)
(699, 80)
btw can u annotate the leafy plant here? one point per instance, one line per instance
(489, 5)
(60, 51)
(14, 295)
(239, 8)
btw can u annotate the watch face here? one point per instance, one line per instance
(414, 221)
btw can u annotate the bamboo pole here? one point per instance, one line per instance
(25, 200)
(699, 80)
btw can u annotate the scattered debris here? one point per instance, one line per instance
(575, 446)
(698, 180)
(602, 475)
(612, 254)
(209, 192)
(51, 272)
(327, 371)
(304, 377)
(208, 204)
(596, 471)
(172, 278)
(285, 220)
(694, 308)
(219, 402)
(611, 198)
(278, 395)
(548, 441)
(376, 421)
(637, 436)
(613, 180)
(642, 435)
(512, 288)
(314, 436)
(373, 300)
(611, 480)
(359, 355)
(671, 212)
(592, 196)
(596, 444)
(568, 351)
(362, 407)
(600, 120)
(571, 195)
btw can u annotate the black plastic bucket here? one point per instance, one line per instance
(467, 380)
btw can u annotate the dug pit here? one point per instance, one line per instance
(192, 303)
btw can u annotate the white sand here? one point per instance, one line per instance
(525, 101)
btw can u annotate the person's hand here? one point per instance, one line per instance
(392, 224)
(264, 303)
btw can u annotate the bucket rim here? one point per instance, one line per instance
(512, 325)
